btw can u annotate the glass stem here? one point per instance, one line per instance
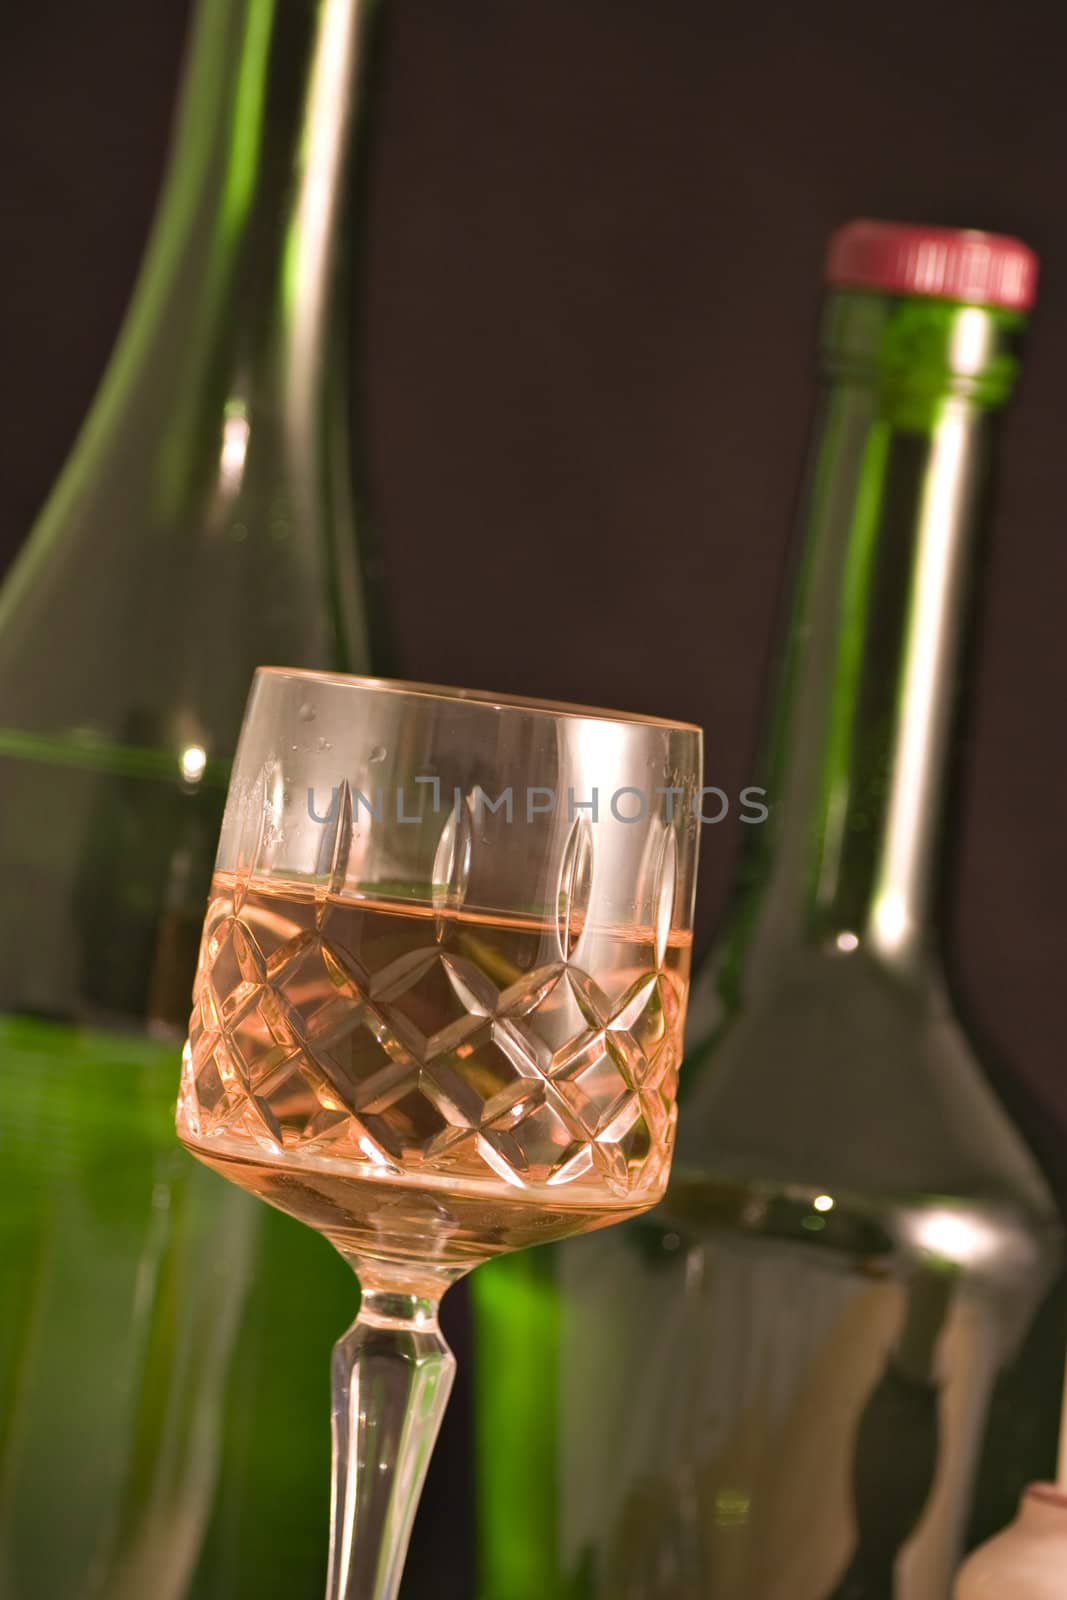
(392, 1374)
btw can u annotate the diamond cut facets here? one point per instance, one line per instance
(409, 1039)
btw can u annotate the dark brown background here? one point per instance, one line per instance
(595, 259)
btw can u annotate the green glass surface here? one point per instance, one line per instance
(518, 1328)
(173, 1411)
(164, 1341)
(793, 1379)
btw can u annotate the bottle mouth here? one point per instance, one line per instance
(918, 350)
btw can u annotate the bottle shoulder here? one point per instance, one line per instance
(845, 1072)
(127, 599)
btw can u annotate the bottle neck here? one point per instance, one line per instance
(254, 224)
(244, 303)
(860, 749)
(226, 427)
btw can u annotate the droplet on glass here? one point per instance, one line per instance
(307, 712)
(378, 753)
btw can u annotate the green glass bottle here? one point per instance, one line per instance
(207, 522)
(776, 1387)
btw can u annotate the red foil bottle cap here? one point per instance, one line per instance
(985, 269)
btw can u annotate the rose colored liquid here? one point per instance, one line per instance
(434, 1086)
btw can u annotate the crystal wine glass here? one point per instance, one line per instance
(438, 1015)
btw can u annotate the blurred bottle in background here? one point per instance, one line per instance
(776, 1387)
(208, 522)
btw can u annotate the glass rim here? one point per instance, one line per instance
(486, 697)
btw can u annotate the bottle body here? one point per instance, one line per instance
(795, 1404)
(205, 523)
(854, 1240)
(769, 1388)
